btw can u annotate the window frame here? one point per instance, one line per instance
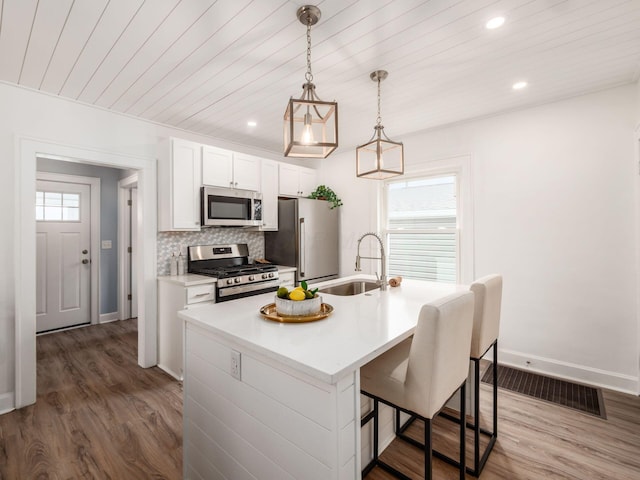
(460, 166)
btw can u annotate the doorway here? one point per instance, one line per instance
(128, 247)
(63, 251)
(27, 150)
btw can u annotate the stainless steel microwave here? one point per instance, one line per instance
(231, 207)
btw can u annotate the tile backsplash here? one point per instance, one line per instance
(173, 242)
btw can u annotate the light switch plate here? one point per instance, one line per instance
(106, 244)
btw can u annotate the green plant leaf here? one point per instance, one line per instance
(303, 284)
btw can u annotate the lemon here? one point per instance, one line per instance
(297, 295)
(282, 292)
(299, 288)
(308, 294)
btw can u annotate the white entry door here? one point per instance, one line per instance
(63, 256)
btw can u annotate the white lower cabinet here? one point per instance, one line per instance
(287, 279)
(175, 295)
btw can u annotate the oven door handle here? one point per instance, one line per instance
(249, 287)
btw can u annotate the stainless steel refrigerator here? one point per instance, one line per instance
(307, 238)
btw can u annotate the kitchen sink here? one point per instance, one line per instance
(353, 287)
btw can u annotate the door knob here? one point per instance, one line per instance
(85, 251)
(85, 261)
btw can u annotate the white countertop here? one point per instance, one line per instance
(187, 280)
(359, 329)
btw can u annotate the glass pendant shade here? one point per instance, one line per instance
(380, 157)
(310, 125)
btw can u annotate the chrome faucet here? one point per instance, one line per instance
(382, 281)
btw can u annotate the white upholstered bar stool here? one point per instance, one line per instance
(422, 373)
(486, 326)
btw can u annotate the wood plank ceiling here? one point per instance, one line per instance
(209, 66)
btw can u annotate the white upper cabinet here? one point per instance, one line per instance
(223, 168)
(217, 167)
(297, 181)
(179, 181)
(246, 172)
(307, 181)
(269, 189)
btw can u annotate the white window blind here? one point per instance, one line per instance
(421, 228)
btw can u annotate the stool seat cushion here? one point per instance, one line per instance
(422, 372)
(384, 376)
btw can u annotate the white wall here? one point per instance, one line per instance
(555, 211)
(43, 117)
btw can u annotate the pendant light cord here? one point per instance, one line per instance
(308, 76)
(379, 119)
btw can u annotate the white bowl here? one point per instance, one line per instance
(298, 308)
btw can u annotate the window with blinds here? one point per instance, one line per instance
(421, 228)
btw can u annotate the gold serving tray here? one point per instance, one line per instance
(269, 312)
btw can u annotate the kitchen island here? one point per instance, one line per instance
(266, 400)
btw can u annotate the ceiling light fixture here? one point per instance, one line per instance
(495, 22)
(380, 157)
(251, 123)
(310, 125)
(519, 85)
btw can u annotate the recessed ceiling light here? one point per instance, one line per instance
(495, 22)
(252, 123)
(519, 85)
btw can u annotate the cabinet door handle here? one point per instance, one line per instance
(201, 294)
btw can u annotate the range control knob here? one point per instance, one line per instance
(271, 275)
(229, 282)
(251, 278)
(237, 280)
(264, 275)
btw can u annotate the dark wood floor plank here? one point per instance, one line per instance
(98, 415)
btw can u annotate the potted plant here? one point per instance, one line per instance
(322, 192)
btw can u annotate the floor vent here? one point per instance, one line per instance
(561, 392)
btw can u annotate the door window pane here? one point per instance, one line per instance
(57, 207)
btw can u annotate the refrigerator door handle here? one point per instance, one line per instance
(303, 256)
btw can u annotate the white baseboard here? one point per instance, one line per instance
(108, 317)
(570, 371)
(170, 372)
(7, 402)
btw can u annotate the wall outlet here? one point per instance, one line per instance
(235, 364)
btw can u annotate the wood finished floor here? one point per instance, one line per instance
(100, 416)
(536, 440)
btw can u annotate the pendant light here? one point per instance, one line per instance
(310, 125)
(380, 157)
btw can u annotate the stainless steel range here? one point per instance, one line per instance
(237, 277)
